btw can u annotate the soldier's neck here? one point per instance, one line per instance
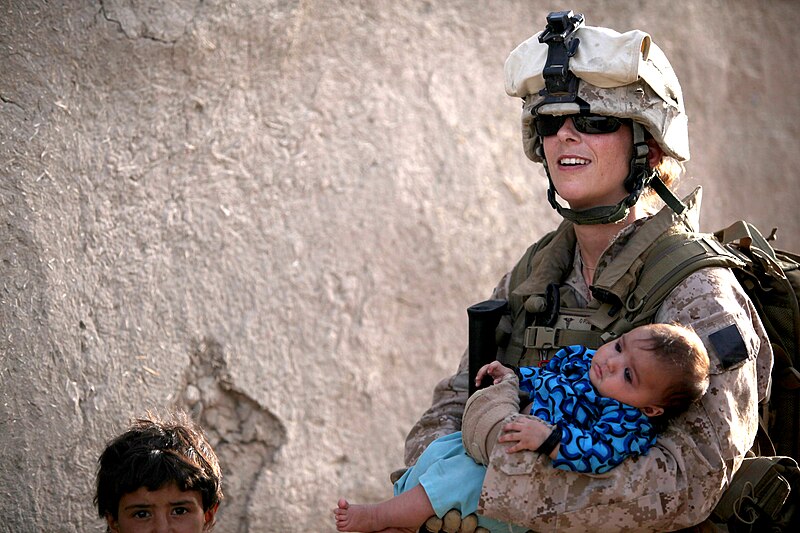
(594, 239)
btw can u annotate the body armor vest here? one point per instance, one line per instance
(544, 315)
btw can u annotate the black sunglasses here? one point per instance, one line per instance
(550, 124)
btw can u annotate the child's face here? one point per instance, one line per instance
(167, 509)
(624, 371)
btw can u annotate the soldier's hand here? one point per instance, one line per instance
(526, 433)
(453, 523)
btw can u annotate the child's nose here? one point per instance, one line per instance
(161, 524)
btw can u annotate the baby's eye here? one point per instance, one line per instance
(618, 346)
(628, 376)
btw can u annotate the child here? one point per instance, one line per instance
(603, 405)
(159, 474)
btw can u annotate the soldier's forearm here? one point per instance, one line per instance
(485, 414)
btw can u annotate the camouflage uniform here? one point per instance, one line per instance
(680, 480)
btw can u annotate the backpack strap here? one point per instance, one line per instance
(746, 236)
(669, 261)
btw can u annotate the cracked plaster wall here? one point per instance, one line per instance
(273, 214)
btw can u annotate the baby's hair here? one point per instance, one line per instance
(153, 453)
(683, 351)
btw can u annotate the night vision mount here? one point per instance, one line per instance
(561, 85)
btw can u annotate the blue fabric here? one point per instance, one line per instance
(598, 433)
(452, 480)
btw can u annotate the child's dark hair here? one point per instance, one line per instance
(152, 454)
(683, 351)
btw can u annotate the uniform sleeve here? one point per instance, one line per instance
(449, 397)
(620, 432)
(679, 481)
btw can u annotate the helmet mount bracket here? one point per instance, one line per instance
(561, 85)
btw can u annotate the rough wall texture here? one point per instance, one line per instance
(274, 213)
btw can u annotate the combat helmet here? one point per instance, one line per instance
(570, 68)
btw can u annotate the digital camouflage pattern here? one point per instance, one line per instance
(680, 480)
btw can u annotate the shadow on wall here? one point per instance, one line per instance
(242, 432)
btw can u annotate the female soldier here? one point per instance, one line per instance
(604, 113)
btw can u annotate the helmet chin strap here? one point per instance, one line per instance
(639, 177)
(594, 215)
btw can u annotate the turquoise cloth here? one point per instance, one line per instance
(452, 480)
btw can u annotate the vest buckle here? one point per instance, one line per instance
(541, 337)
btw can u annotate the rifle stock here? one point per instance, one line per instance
(483, 320)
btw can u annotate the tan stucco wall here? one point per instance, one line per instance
(274, 214)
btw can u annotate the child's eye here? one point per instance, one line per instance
(628, 375)
(141, 514)
(180, 510)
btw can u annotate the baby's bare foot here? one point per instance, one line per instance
(355, 517)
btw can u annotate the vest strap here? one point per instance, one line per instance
(672, 260)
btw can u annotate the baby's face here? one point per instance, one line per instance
(166, 509)
(624, 371)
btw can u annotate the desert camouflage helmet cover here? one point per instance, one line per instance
(621, 74)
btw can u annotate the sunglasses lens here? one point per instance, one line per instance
(547, 125)
(596, 124)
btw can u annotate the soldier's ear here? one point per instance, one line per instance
(652, 410)
(654, 154)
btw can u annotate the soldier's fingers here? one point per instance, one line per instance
(515, 448)
(451, 521)
(469, 524)
(433, 523)
(509, 437)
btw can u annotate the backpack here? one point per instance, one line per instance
(765, 492)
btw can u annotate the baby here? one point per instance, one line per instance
(594, 409)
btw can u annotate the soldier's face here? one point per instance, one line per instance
(167, 509)
(589, 169)
(623, 370)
